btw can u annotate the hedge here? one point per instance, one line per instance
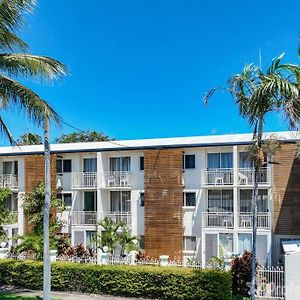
(131, 281)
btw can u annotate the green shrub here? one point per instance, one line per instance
(131, 281)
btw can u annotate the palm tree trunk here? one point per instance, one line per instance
(254, 211)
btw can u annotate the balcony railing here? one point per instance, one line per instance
(218, 219)
(82, 180)
(124, 217)
(246, 176)
(9, 181)
(84, 218)
(117, 179)
(217, 177)
(90, 217)
(263, 220)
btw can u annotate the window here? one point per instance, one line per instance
(189, 243)
(226, 244)
(245, 242)
(189, 161)
(10, 168)
(246, 201)
(142, 199)
(220, 201)
(119, 164)
(219, 160)
(91, 239)
(11, 202)
(141, 163)
(63, 166)
(90, 201)
(120, 201)
(90, 165)
(66, 198)
(189, 199)
(142, 241)
(244, 161)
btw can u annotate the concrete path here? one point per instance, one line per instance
(60, 295)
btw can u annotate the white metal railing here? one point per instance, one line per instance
(90, 217)
(216, 177)
(117, 179)
(9, 181)
(270, 283)
(84, 180)
(84, 218)
(118, 216)
(263, 220)
(217, 219)
(246, 176)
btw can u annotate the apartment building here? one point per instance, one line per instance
(186, 197)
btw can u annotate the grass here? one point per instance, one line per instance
(17, 297)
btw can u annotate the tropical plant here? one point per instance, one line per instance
(241, 274)
(82, 137)
(16, 65)
(5, 214)
(258, 94)
(115, 235)
(33, 209)
(29, 139)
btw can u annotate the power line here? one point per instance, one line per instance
(82, 131)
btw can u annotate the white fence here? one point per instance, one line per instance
(270, 283)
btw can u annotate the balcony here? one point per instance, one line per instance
(116, 179)
(246, 176)
(9, 181)
(218, 219)
(84, 180)
(87, 218)
(263, 220)
(217, 177)
(225, 177)
(84, 218)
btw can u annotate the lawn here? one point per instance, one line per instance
(17, 297)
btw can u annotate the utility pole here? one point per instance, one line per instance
(46, 256)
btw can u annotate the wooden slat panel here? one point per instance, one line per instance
(34, 173)
(286, 196)
(163, 203)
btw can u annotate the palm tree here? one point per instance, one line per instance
(13, 66)
(258, 94)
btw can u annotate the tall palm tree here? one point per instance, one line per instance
(258, 94)
(13, 66)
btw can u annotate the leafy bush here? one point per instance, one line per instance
(132, 281)
(241, 274)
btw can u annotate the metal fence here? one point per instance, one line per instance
(270, 283)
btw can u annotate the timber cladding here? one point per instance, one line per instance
(34, 173)
(163, 203)
(286, 196)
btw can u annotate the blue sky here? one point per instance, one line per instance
(139, 68)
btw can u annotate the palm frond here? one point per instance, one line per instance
(275, 64)
(12, 12)
(32, 65)
(17, 95)
(6, 132)
(10, 41)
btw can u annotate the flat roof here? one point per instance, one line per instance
(143, 144)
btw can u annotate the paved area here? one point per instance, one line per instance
(59, 295)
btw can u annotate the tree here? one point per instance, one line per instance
(82, 137)
(29, 139)
(33, 211)
(5, 214)
(258, 94)
(115, 235)
(15, 65)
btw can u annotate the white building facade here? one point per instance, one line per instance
(102, 179)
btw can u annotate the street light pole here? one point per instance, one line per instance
(46, 256)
